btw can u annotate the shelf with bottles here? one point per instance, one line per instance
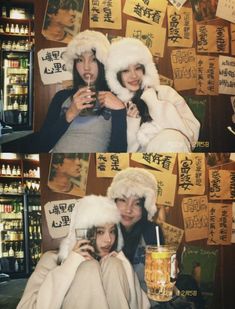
(17, 20)
(17, 44)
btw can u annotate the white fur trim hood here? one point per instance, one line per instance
(123, 53)
(86, 41)
(138, 182)
(89, 211)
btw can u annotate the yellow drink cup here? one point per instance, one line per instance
(159, 268)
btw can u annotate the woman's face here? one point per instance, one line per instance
(132, 77)
(130, 209)
(105, 238)
(87, 67)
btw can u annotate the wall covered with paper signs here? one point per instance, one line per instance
(193, 44)
(196, 207)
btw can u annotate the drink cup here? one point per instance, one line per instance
(89, 234)
(96, 106)
(159, 269)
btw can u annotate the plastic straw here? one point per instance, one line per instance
(157, 234)
(89, 80)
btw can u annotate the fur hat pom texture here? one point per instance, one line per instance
(125, 52)
(89, 211)
(86, 41)
(136, 182)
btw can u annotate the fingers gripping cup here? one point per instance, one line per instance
(159, 267)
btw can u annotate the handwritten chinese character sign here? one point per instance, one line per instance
(180, 27)
(195, 215)
(220, 224)
(52, 66)
(191, 170)
(227, 75)
(222, 184)
(109, 164)
(151, 11)
(105, 14)
(58, 216)
(163, 162)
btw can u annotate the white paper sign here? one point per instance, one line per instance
(58, 216)
(227, 75)
(52, 66)
(226, 10)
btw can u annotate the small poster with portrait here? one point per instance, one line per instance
(68, 173)
(62, 20)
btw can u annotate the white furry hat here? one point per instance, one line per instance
(137, 182)
(86, 41)
(125, 52)
(89, 211)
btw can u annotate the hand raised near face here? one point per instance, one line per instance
(109, 100)
(132, 110)
(83, 98)
(84, 248)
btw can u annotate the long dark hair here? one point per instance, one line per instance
(132, 238)
(100, 84)
(140, 104)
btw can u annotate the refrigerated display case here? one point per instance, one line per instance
(20, 216)
(16, 60)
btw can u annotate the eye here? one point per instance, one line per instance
(121, 200)
(78, 60)
(113, 232)
(99, 232)
(125, 71)
(139, 67)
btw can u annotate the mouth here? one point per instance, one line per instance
(127, 218)
(134, 83)
(106, 249)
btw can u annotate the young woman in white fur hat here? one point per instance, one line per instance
(66, 128)
(134, 191)
(159, 120)
(73, 278)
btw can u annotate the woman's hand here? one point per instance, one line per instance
(132, 110)
(83, 247)
(109, 100)
(81, 99)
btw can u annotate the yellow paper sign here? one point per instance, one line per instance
(191, 173)
(172, 234)
(195, 215)
(58, 215)
(213, 39)
(152, 36)
(151, 11)
(105, 14)
(232, 35)
(161, 161)
(222, 184)
(184, 68)
(166, 187)
(207, 75)
(180, 27)
(109, 164)
(220, 224)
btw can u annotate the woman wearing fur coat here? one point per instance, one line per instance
(86, 273)
(158, 118)
(134, 191)
(73, 123)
